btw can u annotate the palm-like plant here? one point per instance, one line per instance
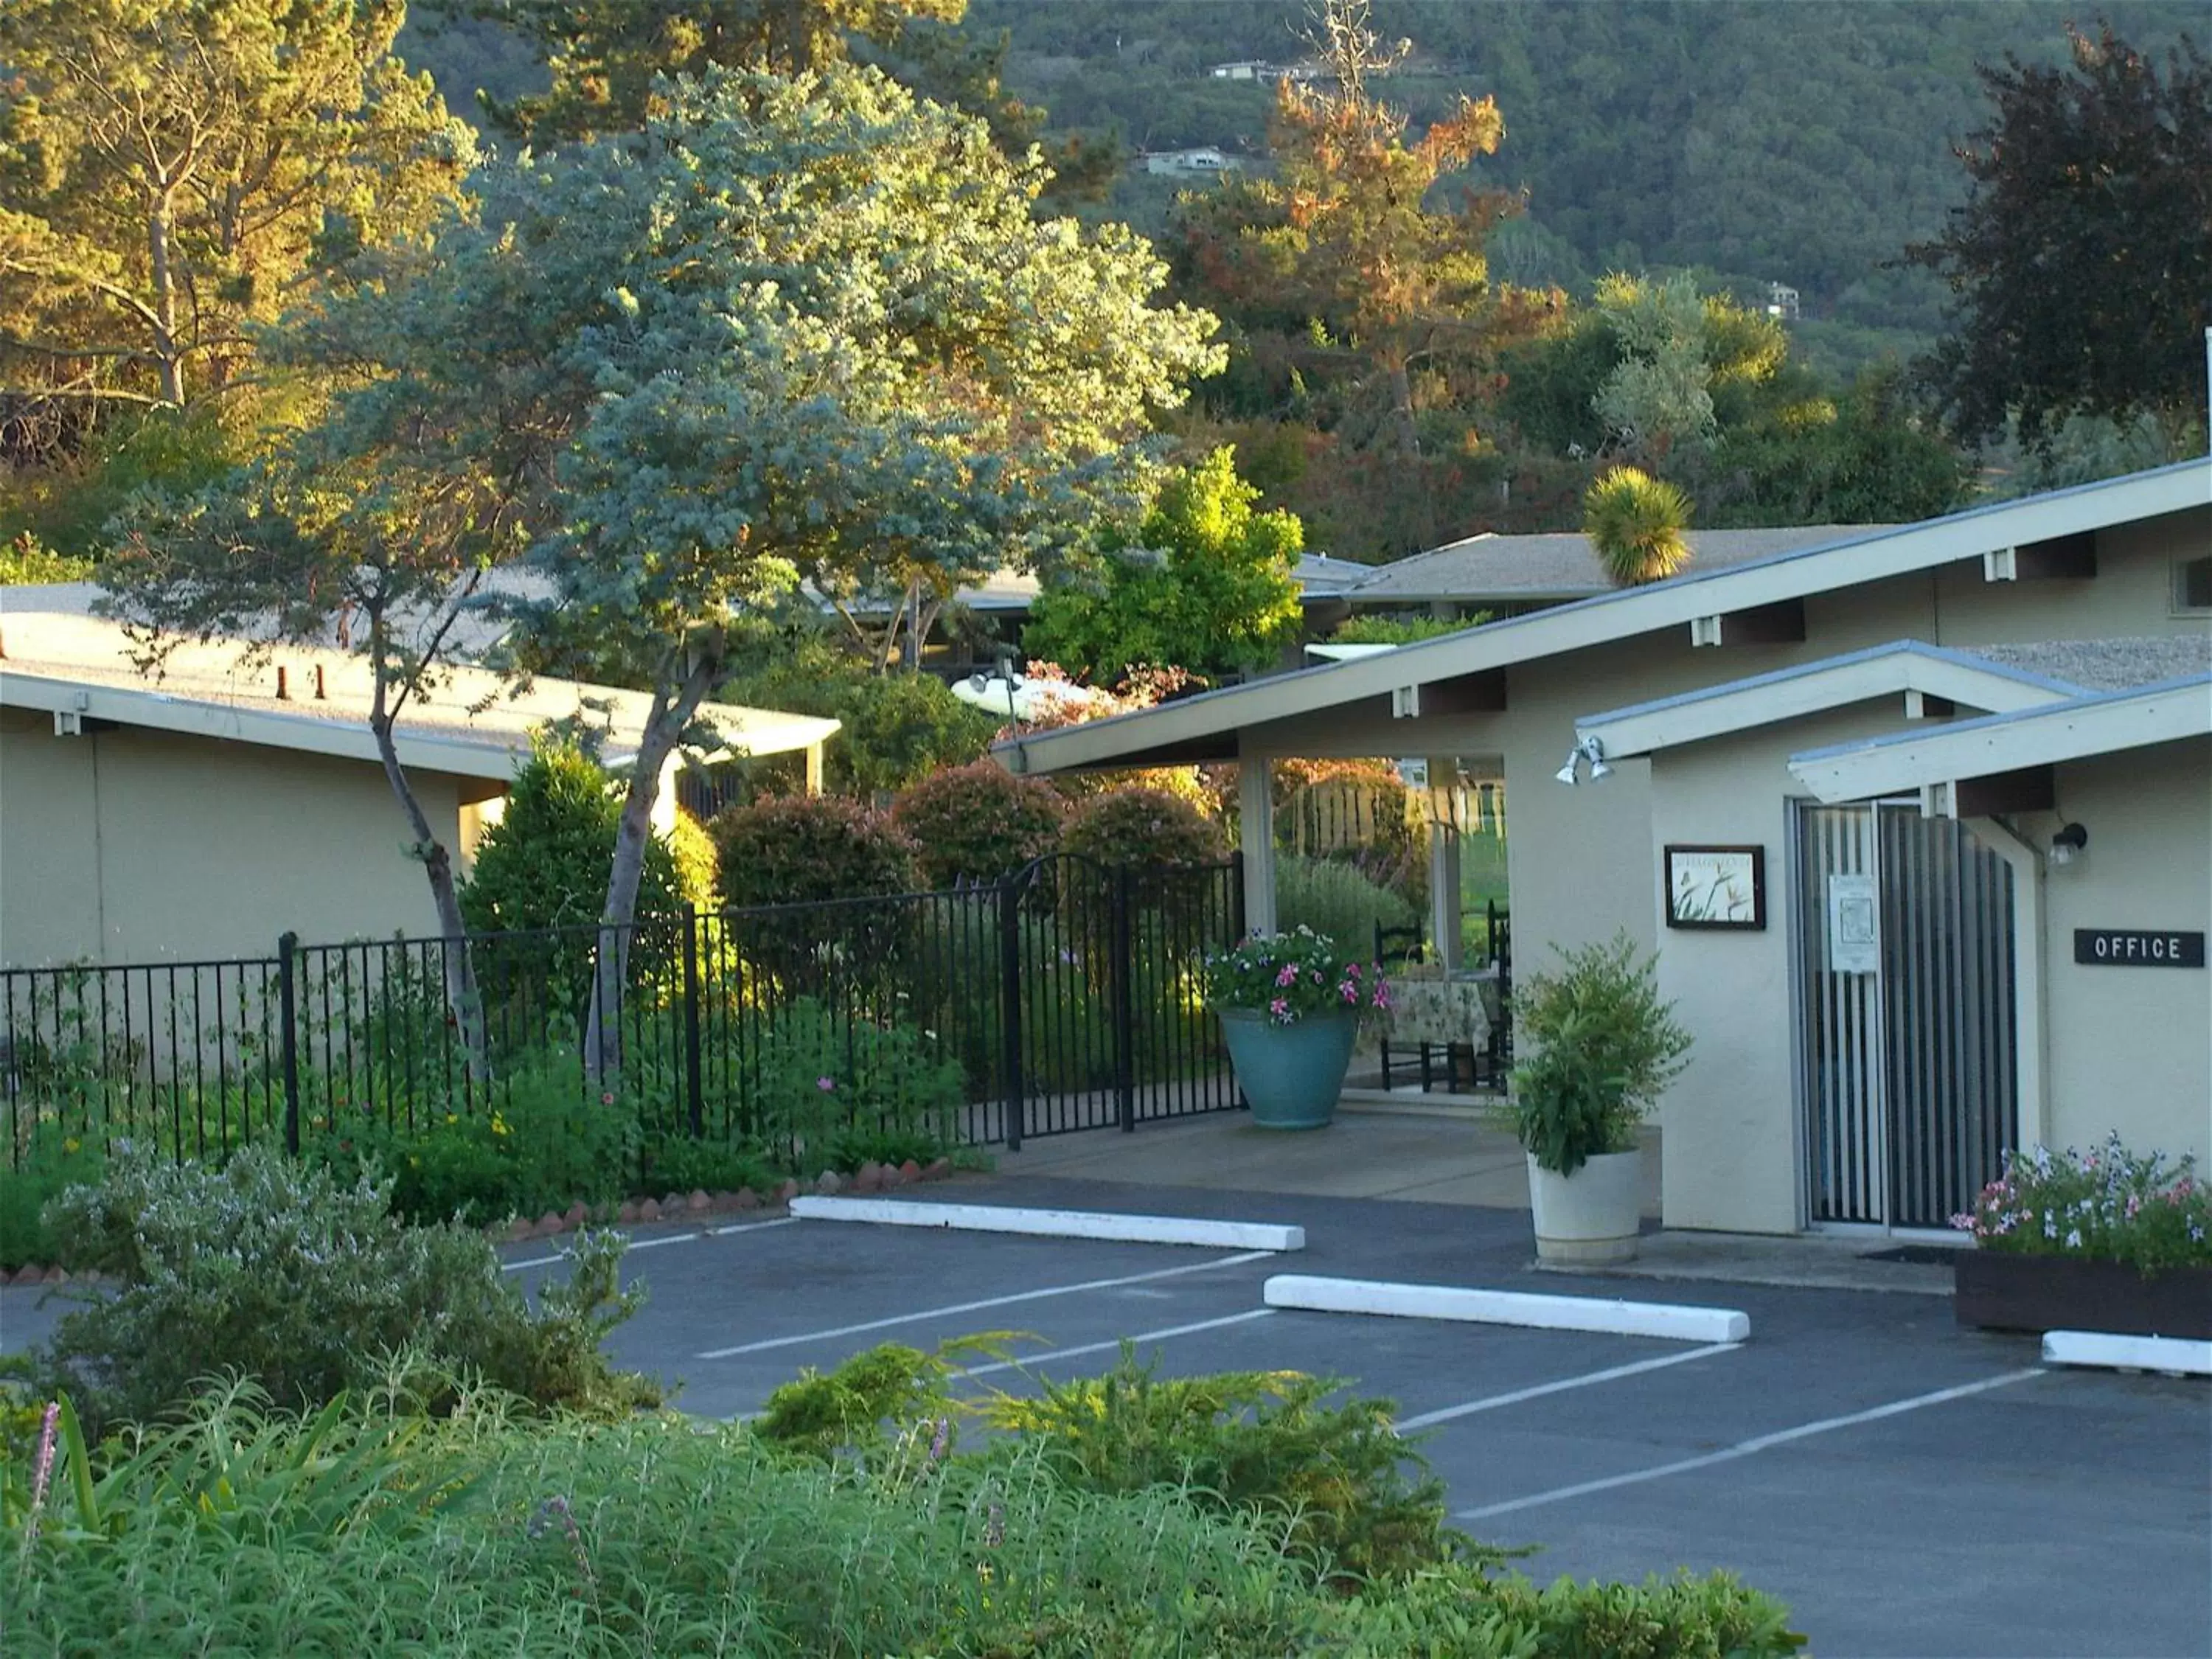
(1635, 523)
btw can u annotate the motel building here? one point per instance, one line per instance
(1917, 821)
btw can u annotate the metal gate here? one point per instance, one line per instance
(1905, 1014)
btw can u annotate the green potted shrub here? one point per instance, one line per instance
(1604, 1048)
(2105, 1240)
(1291, 1006)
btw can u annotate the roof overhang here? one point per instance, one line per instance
(491, 755)
(1146, 737)
(2002, 744)
(1929, 677)
(162, 711)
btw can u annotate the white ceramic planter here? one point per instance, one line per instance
(1591, 1215)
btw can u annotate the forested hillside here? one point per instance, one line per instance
(1797, 141)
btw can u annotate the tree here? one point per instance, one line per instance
(606, 55)
(1635, 523)
(1203, 583)
(171, 171)
(1341, 256)
(321, 537)
(808, 328)
(2081, 260)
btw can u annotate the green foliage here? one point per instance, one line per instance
(543, 863)
(180, 167)
(272, 1270)
(1334, 1477)
(1334, 898)
(1659, 391)
(862, 1405)
(898, 729)
(1867, 458)
(2080, 261)
(2107, 1205)
(25, 561)
(1203, 583)
(1142, 829)
(605, 54)
(1373, 628)
(830, 1090)
(1635, 523)
(544, 1139)
(356, 1530)
(974, 823)
(52, 1162)
(810, 849)
(1605, 1049)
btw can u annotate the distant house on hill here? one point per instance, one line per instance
(1190, 163)
(1247, 69)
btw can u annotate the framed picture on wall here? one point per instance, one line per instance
(1716, 887)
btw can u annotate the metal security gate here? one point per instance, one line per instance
(1906, 1024)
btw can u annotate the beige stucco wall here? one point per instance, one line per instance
(2130, 1048)
(138, 845)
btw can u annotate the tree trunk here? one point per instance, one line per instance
(463, 1000)
(160, 229)
(663, 726)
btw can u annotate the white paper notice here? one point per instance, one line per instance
(1854, 926)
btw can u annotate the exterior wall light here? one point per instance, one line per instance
(2067, 845)
(1590, 750)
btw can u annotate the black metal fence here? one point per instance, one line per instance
(1065, 996)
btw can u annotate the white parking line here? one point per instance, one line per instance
(654, 1243)
(1745, 1448)
(979, 1305)
(1160, 1336)
(1448, 1413)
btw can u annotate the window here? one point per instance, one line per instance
(2192, 586)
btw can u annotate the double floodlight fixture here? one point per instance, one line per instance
(1587, 749)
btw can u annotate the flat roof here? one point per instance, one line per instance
(470, 721)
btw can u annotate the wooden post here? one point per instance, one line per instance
(1256, 839)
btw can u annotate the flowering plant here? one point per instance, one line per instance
(2108, 1204)
(1292, 977)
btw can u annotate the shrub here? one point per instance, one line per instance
(1143, 829)
(1335, 1476)
(544, 863)
(808, 849)
(897, 729)
(975, 823)
(51, 1161)
(1332, 897)
(543, 1140)
(833, 1089)
(271, 1269)
(1605, 1048)
(2108, 1205)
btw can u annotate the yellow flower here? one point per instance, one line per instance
(70, 1144)
(498, 1124)
(453, 1117)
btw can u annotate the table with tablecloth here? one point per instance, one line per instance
(1430, 1009)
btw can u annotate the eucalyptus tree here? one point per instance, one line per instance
(802, 329)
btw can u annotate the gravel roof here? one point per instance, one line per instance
(2108, 665)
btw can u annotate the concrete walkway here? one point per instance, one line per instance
(1443, 1154)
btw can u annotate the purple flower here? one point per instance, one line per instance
(826, 1085)
(42, 1469)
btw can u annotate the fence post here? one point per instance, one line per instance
(1125, 1034)
(1236, 897)
(1010, 1009)
(694, 1091)
(288, 1006)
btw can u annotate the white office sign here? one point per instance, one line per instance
(1854, 926)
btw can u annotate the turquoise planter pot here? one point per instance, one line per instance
(1291, 1074)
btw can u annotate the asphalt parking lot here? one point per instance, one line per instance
(1907, 1487)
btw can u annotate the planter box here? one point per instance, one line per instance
(2006, 1292)
(1290, 1074)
